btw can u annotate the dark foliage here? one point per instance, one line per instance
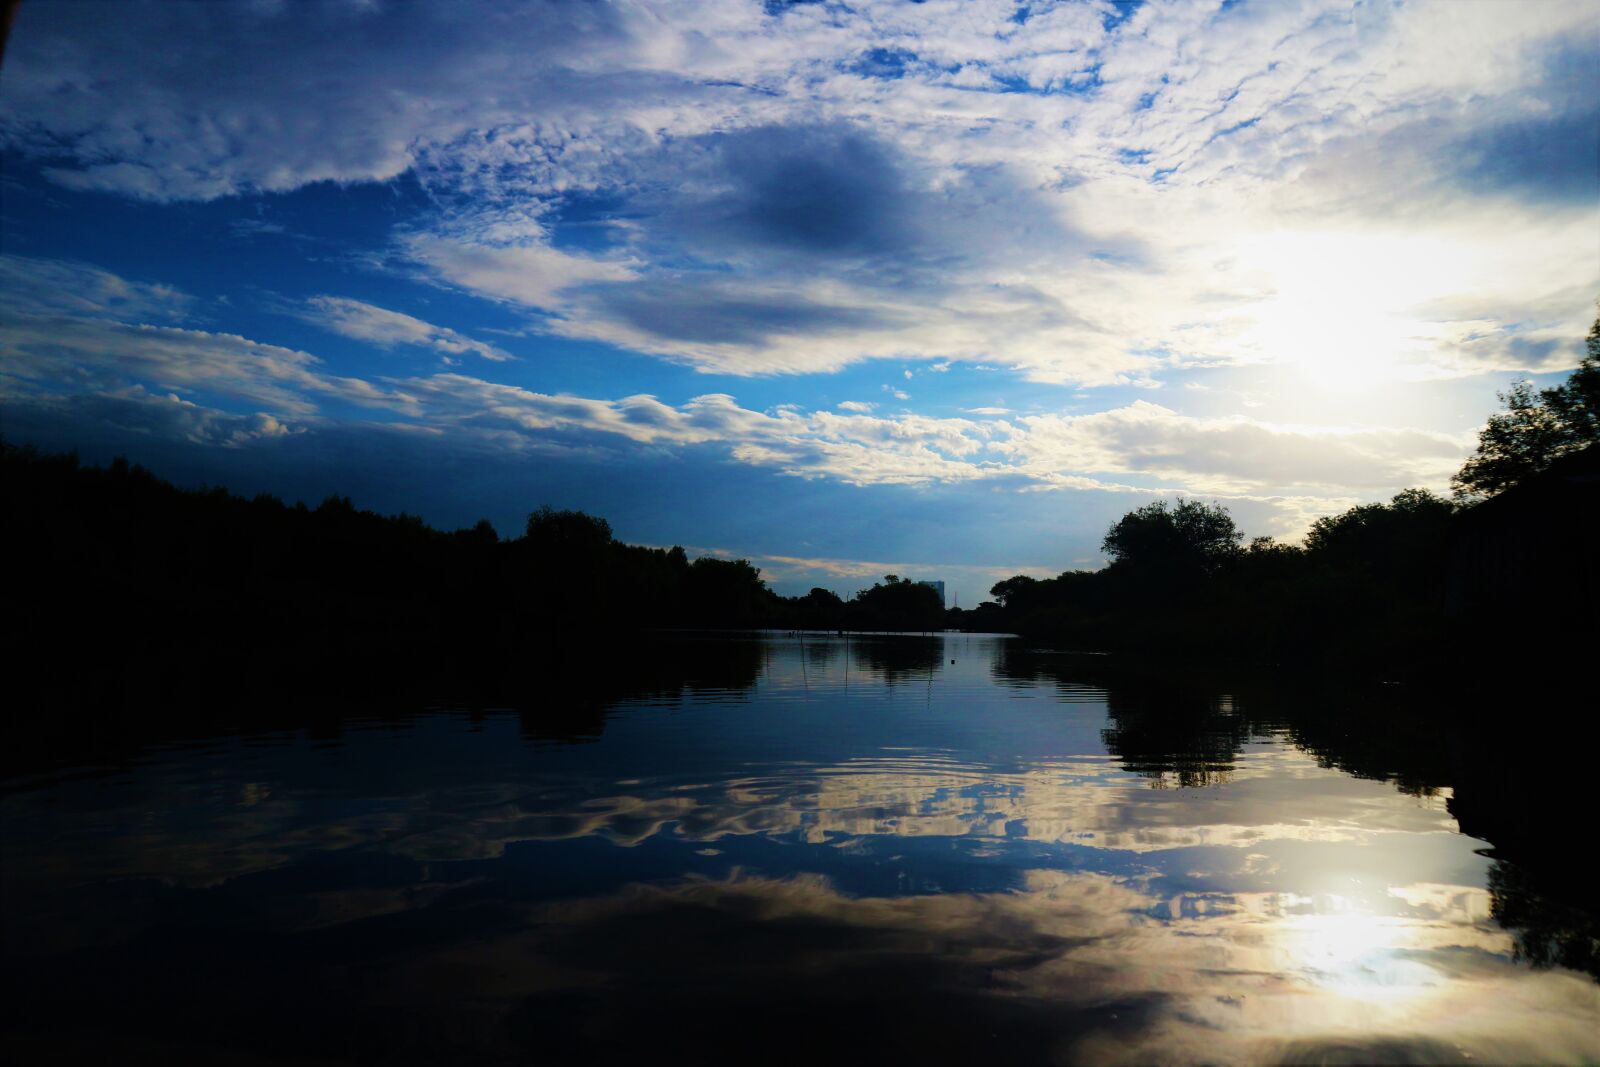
(1536, 429)
(1393, 589)
(1180, 542)
(896, 603)
(122, 583)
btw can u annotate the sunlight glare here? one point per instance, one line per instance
(1344, 310)
(1358, 955)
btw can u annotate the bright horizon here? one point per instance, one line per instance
(933, 289)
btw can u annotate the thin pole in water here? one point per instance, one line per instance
(804, 680)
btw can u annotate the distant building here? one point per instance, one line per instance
(938, 587)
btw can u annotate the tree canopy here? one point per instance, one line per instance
(1186, 536)
(1537, 428)
(899, 604)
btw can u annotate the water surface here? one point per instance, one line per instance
(799, 847)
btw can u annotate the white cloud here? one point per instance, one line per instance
(1233, 455)
(58, 287)
(385, 328)
(1299, 472)
(801, 191)
(59, 333)
(860, 407)
(160, 374)
(530, 272)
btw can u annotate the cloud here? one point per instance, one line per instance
(77, 348)
(793, 192)
(529, 271)
(38, 287)
(1233, 454)
(60, 333)
(715, 324)
(256, 227)
(799, 245)
(120, 99)
(802, 249)
(90, 356)
(1142, 447)
(134, 409)
(755, 191)
(385, 328)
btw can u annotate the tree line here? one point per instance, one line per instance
(1389, 587)
(120, 580)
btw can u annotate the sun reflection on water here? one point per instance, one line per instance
(1357, 955)
(996, 868)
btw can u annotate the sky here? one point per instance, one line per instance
(940, 289)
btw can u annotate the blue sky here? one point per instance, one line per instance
(939, 288)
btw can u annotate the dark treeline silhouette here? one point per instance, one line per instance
(1405, 587)
(1368, 587)
(121, 583)
(895, 604)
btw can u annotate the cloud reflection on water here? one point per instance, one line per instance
(1019, 890)
(1279, 794)
(1073, 961)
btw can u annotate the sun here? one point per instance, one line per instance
(1346, 312)
(1333, 346)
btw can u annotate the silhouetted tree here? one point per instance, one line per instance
(1577, 400)
(728, 592)
(1536, 428)
(1012, 592)
(569, 578)
(1398, 541)
(820, 609)
(896, 604)
(1186, 537)
(565, 533)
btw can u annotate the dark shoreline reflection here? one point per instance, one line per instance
(791, 847)
(1504, 785)
(558, 693)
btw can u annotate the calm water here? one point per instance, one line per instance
(946, 849)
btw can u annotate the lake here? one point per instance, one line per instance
(788, 848)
